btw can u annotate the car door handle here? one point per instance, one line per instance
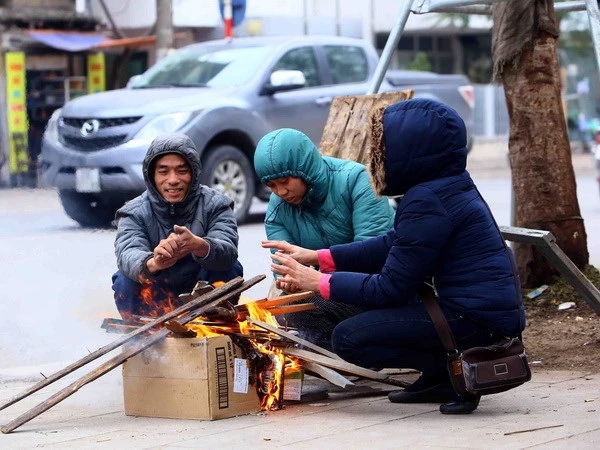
(324, 100)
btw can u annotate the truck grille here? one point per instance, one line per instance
(94, 143)
(104, 123)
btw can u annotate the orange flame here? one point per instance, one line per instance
(157, 304)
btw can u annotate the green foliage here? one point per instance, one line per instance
(421, 62)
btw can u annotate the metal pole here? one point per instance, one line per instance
(228, 18)
(367, 22)
(390, 47)
(594, 19)
(164, 28)
(338, 25)
(305, 17)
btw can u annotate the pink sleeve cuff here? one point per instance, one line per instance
(326, 262)
(324, 286)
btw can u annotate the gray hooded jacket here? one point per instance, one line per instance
(147, 219)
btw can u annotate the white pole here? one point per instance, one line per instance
(367, 22)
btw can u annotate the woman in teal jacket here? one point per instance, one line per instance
(317, 201)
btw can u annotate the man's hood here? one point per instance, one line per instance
(414, 141)
(290, 153)
(182, 145)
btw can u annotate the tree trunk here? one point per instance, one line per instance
(540, 157)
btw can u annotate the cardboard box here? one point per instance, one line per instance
(189, 378)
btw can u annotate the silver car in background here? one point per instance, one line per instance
(225, 95)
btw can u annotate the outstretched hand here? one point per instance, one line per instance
(294, 276)
(300, 254)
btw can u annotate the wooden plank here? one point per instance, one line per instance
(343, 366)
(346, 133)
(293, 338)
(328, 374)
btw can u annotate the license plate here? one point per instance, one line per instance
(87, 180)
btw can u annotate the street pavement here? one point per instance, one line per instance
(555, 410)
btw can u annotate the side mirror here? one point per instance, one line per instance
(134, 79)
(284, 80)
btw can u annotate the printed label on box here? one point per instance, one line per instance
(240, 376)
(292, 385)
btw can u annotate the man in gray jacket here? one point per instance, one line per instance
(174, 234)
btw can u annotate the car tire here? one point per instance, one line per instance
(226, 169)
(87, 209)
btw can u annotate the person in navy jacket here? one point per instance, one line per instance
(443, 231)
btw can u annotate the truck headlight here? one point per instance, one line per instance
(51, 132)
(165, 123)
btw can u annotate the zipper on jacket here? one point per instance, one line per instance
(172, 210)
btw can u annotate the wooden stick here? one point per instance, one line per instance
(293, 338)
(276, 311)
(327, 373)
(136, 347)
(126, 338)
(343, 366)
(268, 302)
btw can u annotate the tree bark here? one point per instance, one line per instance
(540, 158)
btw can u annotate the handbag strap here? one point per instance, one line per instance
(438, 318)
(433, 307)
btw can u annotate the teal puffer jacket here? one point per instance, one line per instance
(340, 205)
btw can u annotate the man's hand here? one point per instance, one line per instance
(177, 245)
(294, 276)
(188, 242)
(300, 254)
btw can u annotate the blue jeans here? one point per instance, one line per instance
(160, 295)
(404, 337)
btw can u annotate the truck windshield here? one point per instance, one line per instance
(205, 66)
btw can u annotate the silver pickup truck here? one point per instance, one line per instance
(225, 95)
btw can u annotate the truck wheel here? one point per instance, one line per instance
(87, 209)
(226, 169)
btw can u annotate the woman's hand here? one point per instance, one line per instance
(300, 254)
(293, 275)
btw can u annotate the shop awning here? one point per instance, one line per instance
(68, 41)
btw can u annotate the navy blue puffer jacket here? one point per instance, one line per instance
(443, 228)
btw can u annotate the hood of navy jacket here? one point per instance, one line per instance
(182, 145)
(290, 153)
(415, 141)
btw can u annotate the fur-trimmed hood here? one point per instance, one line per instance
(414, 141)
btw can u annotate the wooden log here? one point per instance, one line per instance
(346, 133)
(209, 296)
(343, 366)
(293, 338)
(134, 349)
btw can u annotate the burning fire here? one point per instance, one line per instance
(273, 362)
(269, 363)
